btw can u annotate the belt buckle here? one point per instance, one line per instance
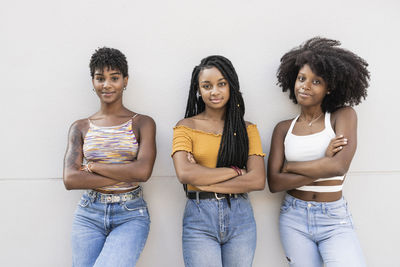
(216, 196)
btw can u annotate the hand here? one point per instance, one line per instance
(191, 158)
(284, 167)
(335, 145)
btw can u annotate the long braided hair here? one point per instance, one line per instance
(234, 146)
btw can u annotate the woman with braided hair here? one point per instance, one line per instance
(109, 154)
(325, 80)
(219, 159)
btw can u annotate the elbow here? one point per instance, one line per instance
(146, 175)
(68, 182)
(260, 184)
(273, 186)
(339, 169)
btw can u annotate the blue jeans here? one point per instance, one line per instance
(215, 235)
(109, 234)
(313, 233)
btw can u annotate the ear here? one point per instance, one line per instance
(126, 81)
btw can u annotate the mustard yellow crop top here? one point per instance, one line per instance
(204, 146)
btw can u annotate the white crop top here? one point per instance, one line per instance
(311, 147)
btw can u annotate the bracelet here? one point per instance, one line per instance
(238, 170)
(88, 168)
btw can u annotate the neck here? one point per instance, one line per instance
(112, 108)
(310, 113)
(215, 115)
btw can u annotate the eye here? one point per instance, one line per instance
(206, 86)
(115, 79)
(316, 82)
(301, 78)
(222, 84)
(100, 79)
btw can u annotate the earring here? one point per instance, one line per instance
(94, 90)
(124, 88)
(198, 94)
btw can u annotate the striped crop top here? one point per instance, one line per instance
(311, 147)
(111, 144)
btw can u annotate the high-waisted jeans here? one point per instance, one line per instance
(109, 234)
(216, 235)
(313, 233)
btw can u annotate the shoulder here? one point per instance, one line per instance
(283, 126)
(248, 123)
(80, 125)
(347, 113)
(144, 121)
(187, 122)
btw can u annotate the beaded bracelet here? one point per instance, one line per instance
(238, 170)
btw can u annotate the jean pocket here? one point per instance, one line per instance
(137, 204)
(84, 201)
(338, 212)
(286, 206)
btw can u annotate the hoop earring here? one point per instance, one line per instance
(124, 88)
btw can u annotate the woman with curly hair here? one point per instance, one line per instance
(218, 157)
(109, 154)
(311, 154)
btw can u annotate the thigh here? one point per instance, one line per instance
(87, 235)
(340, 246)
(300, 249)
(128, 235)
(238, 250)
(200, 243)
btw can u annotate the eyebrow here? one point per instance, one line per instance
(210, 82)
(113, 73)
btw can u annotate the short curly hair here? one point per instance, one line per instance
(110, 58)
(344, 72)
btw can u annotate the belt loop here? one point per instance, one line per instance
(197, 197)
(294, 203)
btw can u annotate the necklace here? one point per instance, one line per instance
(314, 120)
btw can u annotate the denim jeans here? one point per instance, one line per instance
(216, 235)
(109, 234)
(314, 233)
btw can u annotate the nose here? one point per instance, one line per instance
(106, 84)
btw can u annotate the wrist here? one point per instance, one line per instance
(237, 170)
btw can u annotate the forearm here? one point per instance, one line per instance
(321, 168)
(198, 175)
(281, 181)
(239, 184)
(75, 179)
(136, 171)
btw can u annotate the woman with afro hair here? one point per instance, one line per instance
(311, 154)
(109, 154)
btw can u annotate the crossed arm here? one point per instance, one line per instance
(284, 176)
(138, 170)
(222, 179)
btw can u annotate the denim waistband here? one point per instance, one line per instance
(115, 198)
(313, 204)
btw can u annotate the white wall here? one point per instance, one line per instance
(45, 51)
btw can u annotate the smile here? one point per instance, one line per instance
(216, 101)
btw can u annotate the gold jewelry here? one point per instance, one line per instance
(314, 120)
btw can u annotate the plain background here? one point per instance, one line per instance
(45, 86)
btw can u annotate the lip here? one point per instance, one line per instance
(303, 95)
(107, 93)
(216, 100)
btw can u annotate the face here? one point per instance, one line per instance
(213, 88)
(109, 84)
(309, 88)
